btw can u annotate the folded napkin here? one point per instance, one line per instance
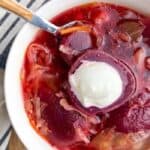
(10, 25)
(5, 127)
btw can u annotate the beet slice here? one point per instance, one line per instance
(127, 76)
(133, 116)
(65, 125)
(74, 44)
(54, 114)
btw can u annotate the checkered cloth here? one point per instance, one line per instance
(10, 25)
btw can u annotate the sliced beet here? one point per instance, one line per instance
(127, 76)
(74, 44)
(65, 124)
(133, 116)
(54, 114)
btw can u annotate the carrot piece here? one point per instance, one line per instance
(74, 29)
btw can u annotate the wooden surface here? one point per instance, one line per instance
(15, 143)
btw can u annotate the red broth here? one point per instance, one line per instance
(117, 31)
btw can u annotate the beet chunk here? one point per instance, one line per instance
(54, 114)
(65, 124)
(134, 116)
(75, 44)
(127, 76)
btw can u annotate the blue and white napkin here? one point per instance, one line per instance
(10, 25)
(5, 127)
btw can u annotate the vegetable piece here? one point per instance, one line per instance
(134, 116)
(74, 44)
(133, 28)
(109, 139)
(70, 30)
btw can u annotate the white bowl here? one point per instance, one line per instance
(13, 93)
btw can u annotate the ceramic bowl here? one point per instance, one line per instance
(13, 93)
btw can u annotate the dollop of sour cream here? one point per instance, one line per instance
(96, 84)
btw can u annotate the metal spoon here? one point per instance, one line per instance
(34, 19)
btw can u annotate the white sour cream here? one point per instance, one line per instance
(96, 84)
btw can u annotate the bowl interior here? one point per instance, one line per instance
(13, 93)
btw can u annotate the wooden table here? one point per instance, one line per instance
(15, 143)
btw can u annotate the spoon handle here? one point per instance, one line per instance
(28, 15)
(16, 8)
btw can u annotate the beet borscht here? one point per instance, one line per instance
(90, 90)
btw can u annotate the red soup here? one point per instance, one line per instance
(91, 89)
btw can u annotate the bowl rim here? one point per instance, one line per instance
(13, 91)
